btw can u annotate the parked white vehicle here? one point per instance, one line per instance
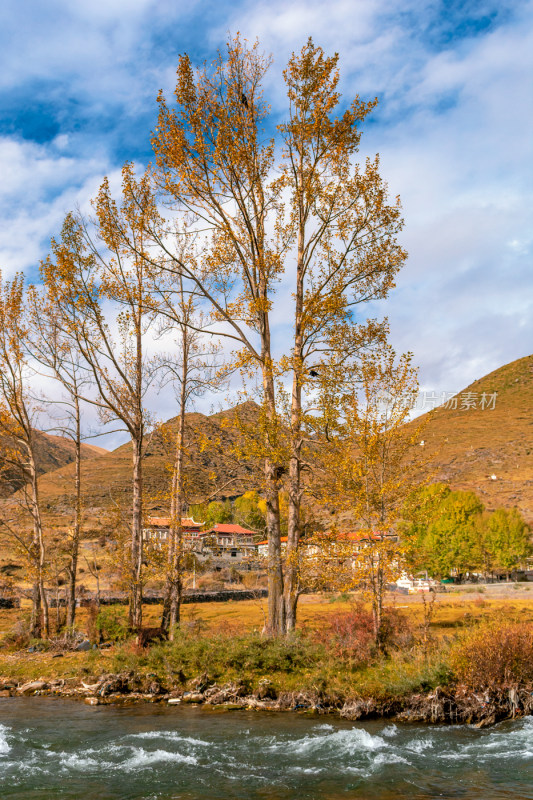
(416, 585)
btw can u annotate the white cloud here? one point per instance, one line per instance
(453, 130)
(39, 187)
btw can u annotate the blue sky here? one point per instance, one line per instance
(453, 127)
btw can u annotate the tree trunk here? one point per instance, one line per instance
(276, 610)
(290, 589)
(376, 609)
(176, 575)
(35, 619)
(58, 617)
(97, 579)
(377, 604)
(44, 606)
(39, 594)
(167, 596)
(174, 582)
(175, 601)
(74, 550)
(177, 567)
(291, 572)
(136, 537)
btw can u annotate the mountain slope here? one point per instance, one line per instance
(107, 479)
(466, 446)
(52, 453)
(470, 445)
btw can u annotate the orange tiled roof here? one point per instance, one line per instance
(222, 527)
(265, 541)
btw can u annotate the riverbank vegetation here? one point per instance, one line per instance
(461, 645)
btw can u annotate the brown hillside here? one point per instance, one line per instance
(107, 479)
(52, 452)
(469, 445)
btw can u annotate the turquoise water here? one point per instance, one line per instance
(53, 748)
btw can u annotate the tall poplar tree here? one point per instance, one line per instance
(313, 215)
(54, 349)
(345, 253)
(18, 436)
(192, 370)
(99, 279)
(214, 163)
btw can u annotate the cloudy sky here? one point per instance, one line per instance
(453, 127)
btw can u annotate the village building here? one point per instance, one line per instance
(346, 547)
(228, 540)
(360, 540)
(157, 530)
(262, 547)
(222, 540)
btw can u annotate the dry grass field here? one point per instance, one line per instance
(224, 640)
(453, 610)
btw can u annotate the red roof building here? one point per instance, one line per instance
(229, 538)
(158, 529)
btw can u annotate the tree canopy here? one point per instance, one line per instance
(449, 532)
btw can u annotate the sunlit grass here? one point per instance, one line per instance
(225, 641)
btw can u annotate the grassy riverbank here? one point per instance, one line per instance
(476, 640)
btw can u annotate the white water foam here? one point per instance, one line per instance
(344, 742)
(508, 739)
(78, 762)
(306, 770)
(390, 730)
(5, 747)
(382, 759)
(172, 736)
(420, 745)
(117, 758)
(145, 758)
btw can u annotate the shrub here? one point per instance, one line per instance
(211, 582)
(495, 655)
(254, 580)
(339, 598)
(235, 576)
(396, 632)
(112, 623)
(350, 635)
(253, 653)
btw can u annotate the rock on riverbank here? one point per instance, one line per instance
(442, 705)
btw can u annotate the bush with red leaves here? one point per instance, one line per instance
(495, 656)
(351, 635)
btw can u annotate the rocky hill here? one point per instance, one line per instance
(211, 469)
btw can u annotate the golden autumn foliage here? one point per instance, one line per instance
(17, 417)
(238, 204)
(297, 205)
(369, 465)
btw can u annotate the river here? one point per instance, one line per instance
(51, 748)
